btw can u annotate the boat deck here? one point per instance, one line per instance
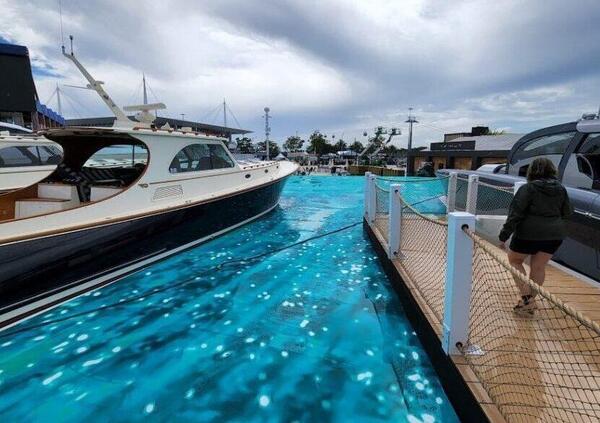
(544, 367)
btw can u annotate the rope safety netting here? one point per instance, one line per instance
(423, 235)
(493, 200)
(543, 366)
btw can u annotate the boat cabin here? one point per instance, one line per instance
(94, 166)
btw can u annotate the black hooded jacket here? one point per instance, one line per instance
(538, 212)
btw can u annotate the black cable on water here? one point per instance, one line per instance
(154, 291)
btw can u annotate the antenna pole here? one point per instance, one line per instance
(97, 86)
(62, 34)
(410, 165)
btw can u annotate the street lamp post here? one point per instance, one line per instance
(267, 130)
(410, 163)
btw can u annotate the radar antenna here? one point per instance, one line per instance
(144, 109)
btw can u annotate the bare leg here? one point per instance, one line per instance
(516, 260)
(538, 267)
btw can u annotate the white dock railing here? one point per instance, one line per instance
(545, 367)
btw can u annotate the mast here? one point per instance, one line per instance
(122, 119)
(145, 92)
(58, 100)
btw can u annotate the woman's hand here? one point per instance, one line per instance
(502, 245)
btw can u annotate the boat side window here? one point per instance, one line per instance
(198, 157)
(552, 146)
(44, 155)
(118, 156)
(219, 157)
(49, 155)
(17, 157)
(583, 167)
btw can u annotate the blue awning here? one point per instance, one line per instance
(49, 113)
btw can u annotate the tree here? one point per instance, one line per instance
(357, 147)
(293, 144)
(391, 150)
(340, 145)
(318, 144)
(244, 145)
(273, 148)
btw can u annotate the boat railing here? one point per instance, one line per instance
(543, 366)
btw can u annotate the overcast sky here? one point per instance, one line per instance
(340, 66)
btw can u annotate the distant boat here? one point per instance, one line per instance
(25, 159)
(85, 226)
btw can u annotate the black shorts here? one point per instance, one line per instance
(525, 246)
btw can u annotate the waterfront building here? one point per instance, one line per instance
(19, 102)
(466, 151)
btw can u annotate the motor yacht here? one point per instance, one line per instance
(86, 225)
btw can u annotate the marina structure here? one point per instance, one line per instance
(19, 102)
(459, 291)
(172, 270)
(83, 227)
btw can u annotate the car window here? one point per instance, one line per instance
(552, 146)
(549, 144)
(583, 167)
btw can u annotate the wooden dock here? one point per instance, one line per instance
(544, 368)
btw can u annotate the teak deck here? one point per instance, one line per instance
(578, 294)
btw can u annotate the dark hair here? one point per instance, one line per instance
(541, 168)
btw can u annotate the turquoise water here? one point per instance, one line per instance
(310, 334)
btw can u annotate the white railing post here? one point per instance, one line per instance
(471, 206)
(518, 184)
(451, 198)
(459, 273)
(372, 200)
(395, 222)
(367, 187)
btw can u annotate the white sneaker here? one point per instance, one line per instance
(525, 306)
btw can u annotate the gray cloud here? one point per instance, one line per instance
(340, 66)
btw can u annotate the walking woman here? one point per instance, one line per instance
(537, 222)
